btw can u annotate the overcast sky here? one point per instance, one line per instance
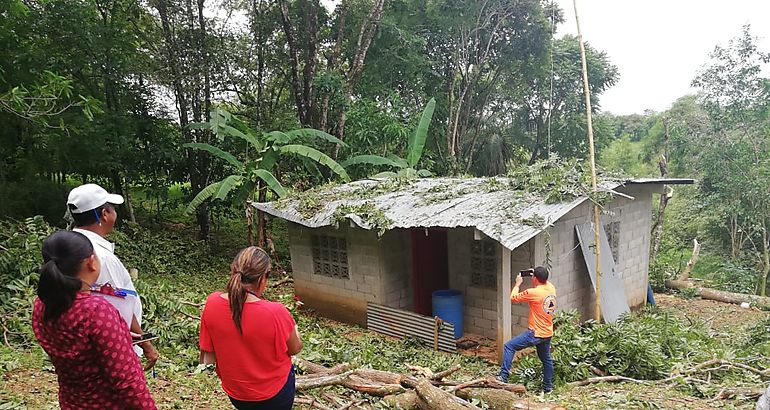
(659, 45)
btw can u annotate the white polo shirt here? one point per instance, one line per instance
(113, 272)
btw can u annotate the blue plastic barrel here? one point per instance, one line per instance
(448, 305)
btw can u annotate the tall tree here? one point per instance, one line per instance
(187, 60)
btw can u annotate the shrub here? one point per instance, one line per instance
(20, 258)
(642, 345)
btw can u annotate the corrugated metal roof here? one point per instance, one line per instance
(508, 216)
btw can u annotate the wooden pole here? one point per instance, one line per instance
(597, 246)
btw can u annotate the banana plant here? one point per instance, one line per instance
(263, 154)
(403, 167)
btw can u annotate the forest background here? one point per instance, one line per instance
(173, 102)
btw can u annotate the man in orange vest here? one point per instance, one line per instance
(542, 304)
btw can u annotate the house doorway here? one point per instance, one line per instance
(430, 267)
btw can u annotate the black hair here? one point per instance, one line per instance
(63, 253)
(541, 274)
(89, 217)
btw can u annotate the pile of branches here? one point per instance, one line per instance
(424, 389)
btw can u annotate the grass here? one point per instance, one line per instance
(178, 272)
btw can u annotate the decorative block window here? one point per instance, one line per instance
(613, 237)
(484, 264)
(330, 256)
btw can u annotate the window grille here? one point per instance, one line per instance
(613, 237)
(484, 264)
(330, 256)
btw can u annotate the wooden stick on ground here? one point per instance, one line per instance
(606, 379)
(312, 403)
(445, 373)
(281, 282)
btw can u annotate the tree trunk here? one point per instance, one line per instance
(291, 40)
(721, 296)
(129, 202)
(691, 263)
(765, 260)
(538, 139)
(405, 401)
(434, 398)
(261, 229)
(667, 193)
(365, 35)
(310, 61)
(187, 100)
(331, 64)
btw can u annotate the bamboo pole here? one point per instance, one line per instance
(597, 246)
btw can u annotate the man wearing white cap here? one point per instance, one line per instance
(93, 210)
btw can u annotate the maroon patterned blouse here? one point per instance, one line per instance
(90, 347)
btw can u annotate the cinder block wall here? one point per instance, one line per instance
(480, 310)
(396, 268)
(521, 258)
(340, 299)
(569, 273)
(480, 315)
(635, 217)
(568, 269)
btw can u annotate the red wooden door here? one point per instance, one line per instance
(430, 268)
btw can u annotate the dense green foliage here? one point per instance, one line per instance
(720, 137)
(116, 91)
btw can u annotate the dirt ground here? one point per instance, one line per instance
(33, 382)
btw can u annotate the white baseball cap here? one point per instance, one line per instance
(90, 196)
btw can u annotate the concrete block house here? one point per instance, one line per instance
(392, 243)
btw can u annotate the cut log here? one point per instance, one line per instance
(502, 400)
(405, 401)
(312, 382)
(720, 296)
(371, 387)
(436, 399)
(380, 376)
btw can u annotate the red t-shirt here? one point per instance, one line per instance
(253, 366)
(90, 348)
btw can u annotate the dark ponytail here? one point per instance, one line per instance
(63, 254)
(249, 267)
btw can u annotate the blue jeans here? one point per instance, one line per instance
(524, 340)
(283, 400)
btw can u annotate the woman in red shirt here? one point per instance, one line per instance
(85, 337)
(250, 339)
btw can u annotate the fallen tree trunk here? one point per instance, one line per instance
(502, 400)
(317, 369)
(425, 396)
(408, 400)
(312, 382)
(363, 385)
(436, 399)
(720, 296)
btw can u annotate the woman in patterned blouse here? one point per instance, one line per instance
(88, 342)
